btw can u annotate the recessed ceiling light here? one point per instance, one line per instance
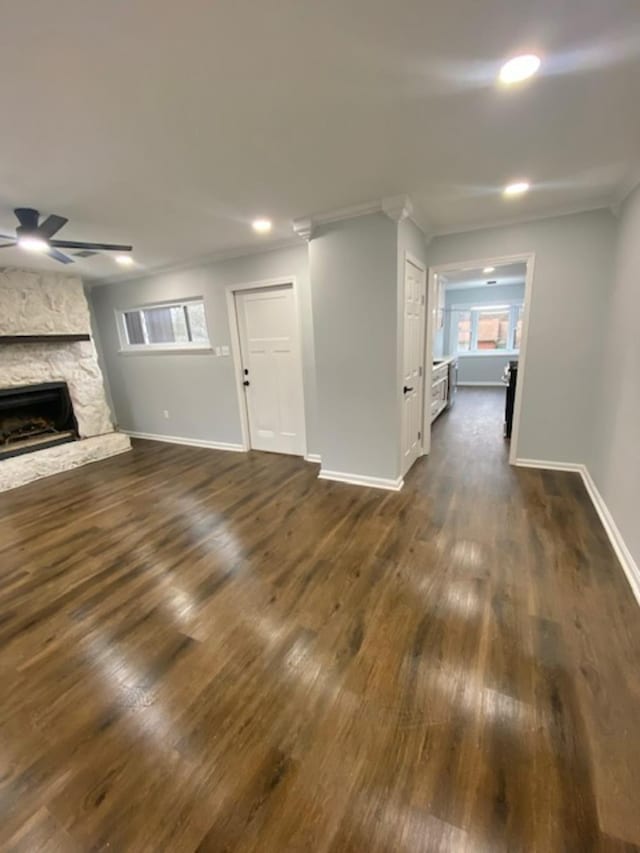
(519, 68)
(261, 226)
(33, 244)
(124, 260)
(516, 188)
(488, 270)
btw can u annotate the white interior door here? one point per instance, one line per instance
(413, 363)
(272, 371)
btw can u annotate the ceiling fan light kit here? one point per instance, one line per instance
(36, 236)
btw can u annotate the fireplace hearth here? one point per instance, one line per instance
(33, 417)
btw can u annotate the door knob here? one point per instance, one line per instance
(245, 383)
(406, 389)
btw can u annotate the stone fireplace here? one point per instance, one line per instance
(53, 409)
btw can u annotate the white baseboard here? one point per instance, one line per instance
(625, 558)
(481, 384)
(190, 442)
(629, 565)
(361, 480)
(549, 466)
(313, 457)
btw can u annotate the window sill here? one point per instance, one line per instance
(159, 350)
(489, 354)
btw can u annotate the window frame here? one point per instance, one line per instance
(474, 311)
(166, 346)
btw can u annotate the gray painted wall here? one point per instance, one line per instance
(615, 461)
(198, 389)
(482, 369)
(488, 367)
(354, 274)
(572, 273)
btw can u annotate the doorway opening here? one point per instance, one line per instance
(266, 346)
(475, 351)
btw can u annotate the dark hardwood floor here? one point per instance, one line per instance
(216, 651)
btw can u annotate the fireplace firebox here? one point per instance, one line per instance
(33, 417)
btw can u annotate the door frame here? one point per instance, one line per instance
(421, 265)
(236, 350)
(528, 258)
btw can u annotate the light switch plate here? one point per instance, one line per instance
(225, 350)
(218, 350)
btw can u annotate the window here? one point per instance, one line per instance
(179, 325)
(487, 328)
(464, 331)
(492, 329)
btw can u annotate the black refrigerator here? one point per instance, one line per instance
(511, 379)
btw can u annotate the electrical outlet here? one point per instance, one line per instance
(165, 414)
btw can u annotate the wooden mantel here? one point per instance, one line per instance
(42, 339)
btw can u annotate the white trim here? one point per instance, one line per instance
(622, 552)
(303, 228)
(625, 190)
(314, 457)
(505, 222)
(480, 384)
(199, 261)
(160, 349)
(527, 258)
(396, 207)
(190, 442)
(236, 352)
(629, 565)
(362, 480)
(548, 465)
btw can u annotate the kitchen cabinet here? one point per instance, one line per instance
(442, 388)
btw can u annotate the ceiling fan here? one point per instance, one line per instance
(36, 236)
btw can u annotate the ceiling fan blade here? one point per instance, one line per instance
(52, 224)
(98, 247)
(7, 245)
(58, 256)
(27, 217)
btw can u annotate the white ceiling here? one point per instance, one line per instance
(172, 125)
(463, 279)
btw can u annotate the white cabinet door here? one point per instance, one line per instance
(413, 363)
(271, 365)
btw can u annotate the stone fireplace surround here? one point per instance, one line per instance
(37, 303)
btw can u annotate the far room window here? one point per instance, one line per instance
(492, 329)
(464, 331)
(176, 325)
(487, 328)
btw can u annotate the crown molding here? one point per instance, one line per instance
(397, 207)
(628, 186)
(193, 263)
(303, 228)
(587, 207)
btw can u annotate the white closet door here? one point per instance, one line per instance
(271, 365)
(413, 363)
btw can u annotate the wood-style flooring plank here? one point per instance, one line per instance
(209, 651)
